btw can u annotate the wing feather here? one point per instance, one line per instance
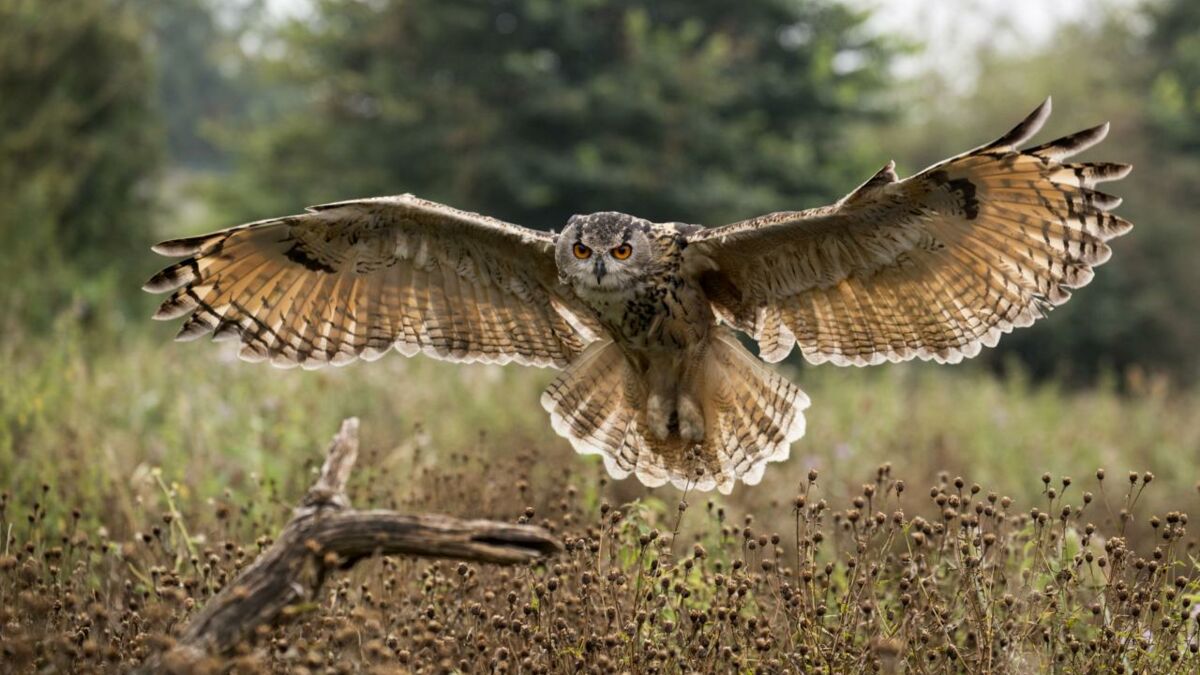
(934, 267)
(354, 279)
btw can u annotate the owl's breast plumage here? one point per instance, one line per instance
(663, 312)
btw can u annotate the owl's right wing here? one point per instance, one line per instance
(354, 279)
(933, 266)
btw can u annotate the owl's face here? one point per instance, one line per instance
(604, 252)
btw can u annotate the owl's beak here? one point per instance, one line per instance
(599, 270)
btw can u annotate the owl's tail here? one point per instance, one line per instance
(752, 414)
(751, 417)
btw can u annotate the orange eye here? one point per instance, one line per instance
(582, 252)
(622, 252)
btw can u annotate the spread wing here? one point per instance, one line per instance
(353, 279)
(933, 266)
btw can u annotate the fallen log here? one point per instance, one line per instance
(325, 534)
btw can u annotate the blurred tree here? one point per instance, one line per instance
(708, 111)
(201, 73)
(704, 111)
(1166, 93)
(1138, 67)
(1173, 45)
(77, 140)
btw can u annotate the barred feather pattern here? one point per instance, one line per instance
(355, 279)
(752, 416)
(933, 267)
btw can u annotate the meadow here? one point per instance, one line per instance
(1027, 512)
(932, 520)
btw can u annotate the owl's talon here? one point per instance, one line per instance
(691, 419)
(658, 417)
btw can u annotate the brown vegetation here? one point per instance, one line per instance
(983, 586)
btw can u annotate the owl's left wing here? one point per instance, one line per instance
(354, 279)
(933, 266)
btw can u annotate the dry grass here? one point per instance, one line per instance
(140, 479)
(809, 586)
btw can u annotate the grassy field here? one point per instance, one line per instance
(124, 454)
(91, 417)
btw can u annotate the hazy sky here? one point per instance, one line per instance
(972, 21)
(936, 20)
(951, 29)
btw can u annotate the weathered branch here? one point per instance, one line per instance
(325, 533)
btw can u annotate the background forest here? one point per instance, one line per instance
(124, 122)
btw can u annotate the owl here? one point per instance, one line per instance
(641, 317)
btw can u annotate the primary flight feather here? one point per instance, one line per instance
(638, 315)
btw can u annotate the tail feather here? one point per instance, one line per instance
(752, 414)
(751, 417)
(595, 404)
(587, 405)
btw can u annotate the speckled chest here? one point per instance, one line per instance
(664, 309)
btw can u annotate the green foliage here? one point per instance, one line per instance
(85, 416)
(1142, 311)
(77, 142)
(1144, 308)
(1174, 47)
(202, 80)
(533, 110)
(704, 112)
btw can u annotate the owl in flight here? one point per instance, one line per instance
(640, 316)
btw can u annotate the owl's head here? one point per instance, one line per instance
(606, 251)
